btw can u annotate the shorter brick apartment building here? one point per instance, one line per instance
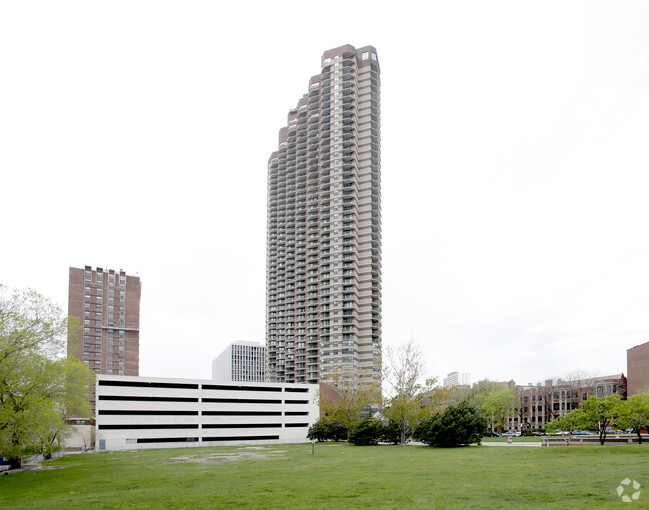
(542, 403)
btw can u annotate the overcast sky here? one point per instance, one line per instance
(515, 158)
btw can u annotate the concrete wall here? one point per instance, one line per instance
(80, 439)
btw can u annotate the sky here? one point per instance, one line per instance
(135, 135)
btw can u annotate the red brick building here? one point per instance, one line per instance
(107, 305)
(540, 404)
(637, 368)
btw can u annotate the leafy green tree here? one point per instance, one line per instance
(634, 413)
(39, 388)
(461, 425)
(497, 404)
(473, 395)
(324, 430)
(336, 432)
(366, 432)
(598, 413)
(409, 398)
(391, 433)
(349, 400)
(317, 431)
(569, 423)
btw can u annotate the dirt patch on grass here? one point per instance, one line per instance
(222, 458)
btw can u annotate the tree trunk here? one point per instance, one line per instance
(602, 431)
(637, 431)
(15, 463)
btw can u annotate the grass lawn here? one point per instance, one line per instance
(337, 476)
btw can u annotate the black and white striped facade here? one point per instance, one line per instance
(153, 412)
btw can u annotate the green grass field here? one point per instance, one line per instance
(337, 476)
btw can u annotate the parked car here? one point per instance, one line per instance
(583, 433)
(513, 433)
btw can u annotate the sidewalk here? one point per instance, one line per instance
(514, 443)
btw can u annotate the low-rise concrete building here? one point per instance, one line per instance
(153, 412)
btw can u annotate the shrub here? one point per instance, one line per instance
(368, 431)
(391, 433)
(461, 425)
(323, 430)
(317, 431)
(336, 432)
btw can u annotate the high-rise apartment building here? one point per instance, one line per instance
(107, 305)
(457, 379)
(241, 361)
(324, 227)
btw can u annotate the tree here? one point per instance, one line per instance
(324, 430)
(39, 388)
(408, 397)
(461, 425)
(366, 432)
(391, 433)
(634, 413)
(569, 422)
(317, 431)
(598, 413)
(474, 395)
(351, 397)
(497, 404)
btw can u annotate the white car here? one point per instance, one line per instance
(513, 433)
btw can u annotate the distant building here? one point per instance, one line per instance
(241, 361)
(637, 367)
(152, 412)
(457, 379)
(106, 303)
(541, 404)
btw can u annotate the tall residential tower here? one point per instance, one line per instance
(323, 274)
